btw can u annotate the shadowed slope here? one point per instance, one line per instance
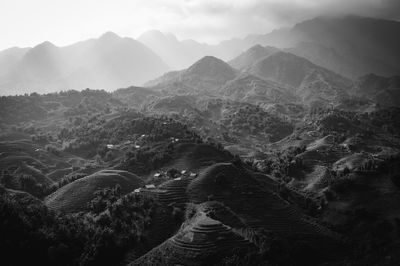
(201, 241)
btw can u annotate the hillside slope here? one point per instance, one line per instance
(75, 196)
(310, 81)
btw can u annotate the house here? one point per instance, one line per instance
(178, 178)
(193, 174)
(110, 146)
(183, 172)
(157, 174)
(137, 190)
(151, 186)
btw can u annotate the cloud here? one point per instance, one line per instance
(212, 20)
(27, 22)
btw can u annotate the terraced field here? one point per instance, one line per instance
(175, 191)
(201, 241)
(74, 196)
(243, 201)
(259, 207)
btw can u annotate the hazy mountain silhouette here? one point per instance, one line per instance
(177, 54)
(9, 59)
(312, 82)
(108, 62)
(253, 54)
(351, 46)
(181, 54)
(362, 45)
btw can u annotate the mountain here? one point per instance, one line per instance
(363, 45)
(109, 62)
(42, 62)
(211, 68)
(36, 66)
(253, 54)
(74, 196)
(251, 89)
(385, 91)
(9, 58)
(181, 54)
(310, 81)
(207, 74)
(280, 77)
(350, 45)
(177, 54)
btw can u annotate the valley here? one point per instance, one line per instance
(264, 158)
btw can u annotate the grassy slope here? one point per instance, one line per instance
(74, 196)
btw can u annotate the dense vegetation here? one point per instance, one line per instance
(101, 237)
(337, 165)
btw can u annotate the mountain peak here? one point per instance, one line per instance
(209, 72)
(45, 48)
(209, 60)
(257, 47)
(109, 35)
(45, 45)
(210, 66)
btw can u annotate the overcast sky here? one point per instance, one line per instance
(29, 22)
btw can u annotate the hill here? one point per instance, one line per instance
(74, 196)
(226, 216)
(201, 241)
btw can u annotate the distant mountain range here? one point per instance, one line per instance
(350, 46)
(109, 62)
(278, 77)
